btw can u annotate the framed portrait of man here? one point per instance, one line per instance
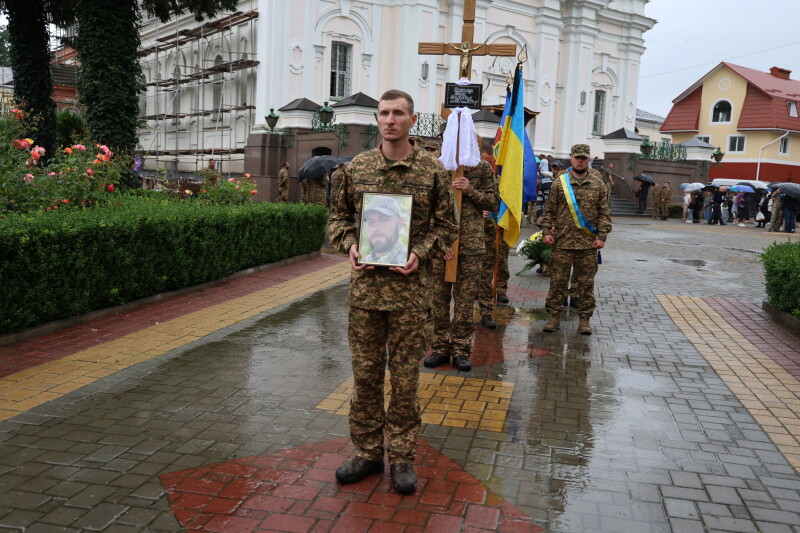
(384, 229)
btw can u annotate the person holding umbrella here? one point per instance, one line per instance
(791, 204)
(716, 208)
(645, 182)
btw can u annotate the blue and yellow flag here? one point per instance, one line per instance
(513, 154)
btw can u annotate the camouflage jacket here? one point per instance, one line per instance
(318, 191)
(480, 196)
(593, 202)
(666, 195)
(432, 218)
(283, 179)
(336, 182)
(656, 195)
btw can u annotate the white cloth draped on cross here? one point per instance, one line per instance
(460, 138)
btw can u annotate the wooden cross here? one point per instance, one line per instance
(466, 49)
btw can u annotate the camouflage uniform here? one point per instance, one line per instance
(283, 185)
(573, 246)
(318, 191)
(776, 222)
(486, 286)
(336, 183)
(666, 196)
(456, 338)
(656, 202)
(387, 308)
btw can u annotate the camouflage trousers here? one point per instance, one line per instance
(583, 266)
(455, 337)
(283, 194)
(373, 335)
(486, 284)
(777, 219)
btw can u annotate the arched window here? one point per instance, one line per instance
(721, 112)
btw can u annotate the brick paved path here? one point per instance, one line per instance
(224, 411)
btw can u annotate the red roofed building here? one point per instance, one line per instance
(752, 116)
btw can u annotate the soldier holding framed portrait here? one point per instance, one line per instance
(388, 304)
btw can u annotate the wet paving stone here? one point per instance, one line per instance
(631, 429)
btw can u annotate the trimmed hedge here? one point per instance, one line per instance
(782, 273)
(63, 263)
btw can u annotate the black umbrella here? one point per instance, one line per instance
(775, 185)
(644, 178)
(791, 189)
(710, 187)
(321, 164)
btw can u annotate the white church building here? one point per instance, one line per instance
(210, 85)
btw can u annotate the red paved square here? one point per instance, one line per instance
(306, 500)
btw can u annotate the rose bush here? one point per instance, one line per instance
(75, 176)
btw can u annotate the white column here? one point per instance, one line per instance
(548, 47)
(574, 121)
(272, 50)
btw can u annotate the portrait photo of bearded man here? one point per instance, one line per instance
(384, 232)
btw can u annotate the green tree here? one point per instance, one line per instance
(5, 47)
(107, 44)
(29, 57)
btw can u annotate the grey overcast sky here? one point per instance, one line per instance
(693, 36)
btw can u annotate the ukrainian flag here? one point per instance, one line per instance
(512, 149)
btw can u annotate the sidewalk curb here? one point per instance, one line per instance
(64, 323)
(789, 322)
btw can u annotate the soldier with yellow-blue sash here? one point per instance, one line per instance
(576, 222)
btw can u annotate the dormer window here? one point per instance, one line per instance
(792, 108)
(722, 112)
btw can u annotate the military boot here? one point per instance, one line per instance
(583, 326)
(552, 324)
(356, 469)
(487, 322)
(435, 359)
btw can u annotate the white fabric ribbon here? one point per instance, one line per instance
(460, 137)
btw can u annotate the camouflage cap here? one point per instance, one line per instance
(433, 145)
(384, 204)
(579, 149)
(557, 163)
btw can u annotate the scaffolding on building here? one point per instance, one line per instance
(182, 139)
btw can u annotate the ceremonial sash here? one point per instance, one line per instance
(572, 203)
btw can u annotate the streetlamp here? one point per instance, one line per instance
(646, 148)
(718, 155)
(272, 119)
(325, 114)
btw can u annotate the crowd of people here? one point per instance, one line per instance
(764, 208)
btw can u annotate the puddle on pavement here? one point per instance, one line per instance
(699, 263)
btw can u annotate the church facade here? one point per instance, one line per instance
(210, 85)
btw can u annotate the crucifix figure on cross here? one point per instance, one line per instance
(466, 57)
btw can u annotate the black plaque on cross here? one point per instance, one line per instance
(468, 95)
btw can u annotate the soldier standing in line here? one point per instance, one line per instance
(777, 211)
(656, 202)
(283, 182)
(318, 190)
(666, 195)
(336, 180)
(387, 304)
(575, 247)
(454, 339)
(434, 147)
(608, 179)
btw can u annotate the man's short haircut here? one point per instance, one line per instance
(394, 94)
(487, 149)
